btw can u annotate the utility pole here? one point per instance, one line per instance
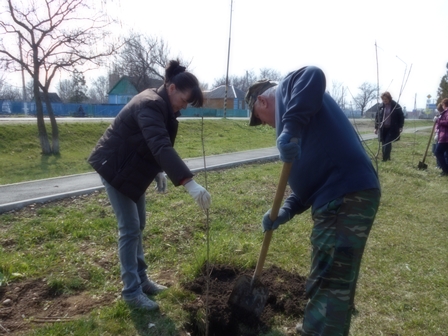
(228, 59)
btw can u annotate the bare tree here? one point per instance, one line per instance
(367, 94)
(274, 75)
(222, 81)
(243, 82)
(98, 90)
(29, 88)
(143, 58)
(51, 36)
(204, 86)
(8, 92)
(338, 93)
(65, 88)
(249, 79)
(240, 82)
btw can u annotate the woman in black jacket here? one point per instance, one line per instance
(136, 149)
(389, 121)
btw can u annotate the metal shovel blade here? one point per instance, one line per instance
(422, 165)
(249, 294)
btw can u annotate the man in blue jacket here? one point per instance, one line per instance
(331, 174)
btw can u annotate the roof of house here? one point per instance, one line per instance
(54, 97)
(374, 108)
(124, 86)
(220, 92)
(127, 85)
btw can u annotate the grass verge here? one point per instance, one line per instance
(21, 158)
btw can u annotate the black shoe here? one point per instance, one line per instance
(150, 287)
(443, 174)
(141, 301)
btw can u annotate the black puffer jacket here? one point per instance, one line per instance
(396, 120)
(139, 144)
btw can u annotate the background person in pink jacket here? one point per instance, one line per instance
(442, 138)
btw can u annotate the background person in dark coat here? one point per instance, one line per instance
(135, 149)
(389, 122)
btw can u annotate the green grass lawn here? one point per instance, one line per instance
(403, 286)
(21, 158)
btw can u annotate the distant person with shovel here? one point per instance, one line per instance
(331, 174)
(389, 123)
(436, 131)
(136, 149)
(442, 138)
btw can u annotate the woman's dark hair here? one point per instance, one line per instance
(444, 102)
(184, 81)
(386, 95)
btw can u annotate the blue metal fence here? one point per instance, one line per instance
(101, 110)
(111, 110)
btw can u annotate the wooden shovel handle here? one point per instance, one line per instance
(281, 187)
(429, 142)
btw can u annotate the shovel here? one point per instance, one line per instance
(422, 165)
(249, 293)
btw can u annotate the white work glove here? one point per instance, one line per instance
(161, 183)
(199, 193)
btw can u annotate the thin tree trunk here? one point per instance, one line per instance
(43, 136)
(54, 125)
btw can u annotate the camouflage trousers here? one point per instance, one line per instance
(340, 232)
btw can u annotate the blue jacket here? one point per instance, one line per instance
(333, 161)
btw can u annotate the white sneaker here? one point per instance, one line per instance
(152, 288)
(141, 301)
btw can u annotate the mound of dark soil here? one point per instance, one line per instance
(29, 303)
(286, 297)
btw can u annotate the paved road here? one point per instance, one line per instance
(17, 195)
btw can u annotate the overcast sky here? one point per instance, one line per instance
(401, 42)
(338, 36)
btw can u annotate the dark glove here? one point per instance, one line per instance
(282, 218)
(289, 147)
(161, 182)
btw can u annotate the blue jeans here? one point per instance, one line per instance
(131, 219)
